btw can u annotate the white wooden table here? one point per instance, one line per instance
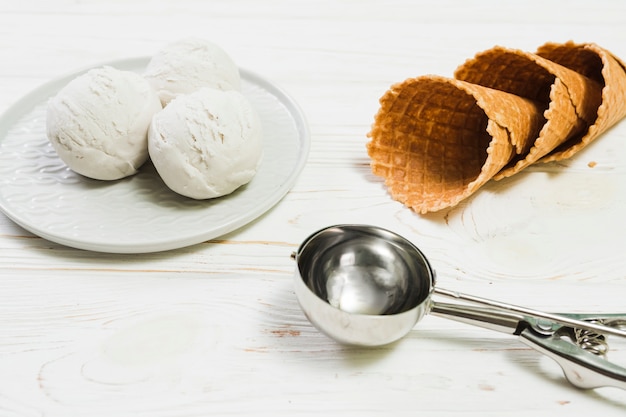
(215, 329)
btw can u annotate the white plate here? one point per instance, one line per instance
(138, 214)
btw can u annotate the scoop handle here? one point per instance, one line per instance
(500, 309)
(581, 368)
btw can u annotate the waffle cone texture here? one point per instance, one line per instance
(435, 140)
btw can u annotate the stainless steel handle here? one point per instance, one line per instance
(581, 368)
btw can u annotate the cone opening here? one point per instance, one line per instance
(429, 141)
(587, 61)
(510, 71)
(578, 58)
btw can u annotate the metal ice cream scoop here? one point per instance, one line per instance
(363, 285)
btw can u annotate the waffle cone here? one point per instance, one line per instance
(598, 64)
(437, 140)
(568, 99)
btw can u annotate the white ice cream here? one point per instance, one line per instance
(190, 64)
(206, 144)
(98, 123)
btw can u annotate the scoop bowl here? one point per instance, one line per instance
(362, 285)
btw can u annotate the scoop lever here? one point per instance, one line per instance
(575, 341)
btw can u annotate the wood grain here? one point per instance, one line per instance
(215, 329)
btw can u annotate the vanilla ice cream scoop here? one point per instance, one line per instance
(98, 123)
(187, 65)
(206, 144)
